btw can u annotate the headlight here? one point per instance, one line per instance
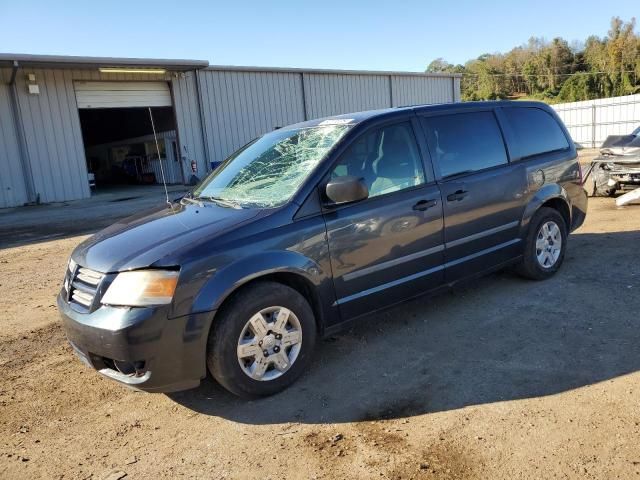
(142, 288)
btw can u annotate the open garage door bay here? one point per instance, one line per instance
(119, 144)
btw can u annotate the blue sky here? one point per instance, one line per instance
(345, 34)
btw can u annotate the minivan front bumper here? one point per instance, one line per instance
(140, 347)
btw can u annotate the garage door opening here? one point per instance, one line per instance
(117, 132)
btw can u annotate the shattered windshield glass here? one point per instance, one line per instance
(267, 172)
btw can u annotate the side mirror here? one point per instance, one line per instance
(346, 189)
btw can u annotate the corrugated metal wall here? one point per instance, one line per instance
(12, 188)
(409, 90)
(236, 106)
(239, 106)
(456, 89)
(189, 123)
(332, 94)
(53, 137)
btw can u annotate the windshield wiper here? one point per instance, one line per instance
(224, 202)
(195, 201)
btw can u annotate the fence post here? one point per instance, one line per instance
(593, 126)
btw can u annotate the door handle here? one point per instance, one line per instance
(423, 205)
(457, 196)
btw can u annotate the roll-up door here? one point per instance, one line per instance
(122, 94)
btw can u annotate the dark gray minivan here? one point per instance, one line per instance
(316, 224)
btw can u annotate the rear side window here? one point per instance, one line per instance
(536, 131)
(465, 142)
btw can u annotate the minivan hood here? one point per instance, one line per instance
(146, 238)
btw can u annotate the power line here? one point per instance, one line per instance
(576, 64)
(570, 64)
(544, 74)
(554, 67)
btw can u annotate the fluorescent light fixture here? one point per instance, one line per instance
(133, 70)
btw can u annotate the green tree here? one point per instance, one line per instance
(622, 53)
(555, 70)
(581, 86)
(439, 65)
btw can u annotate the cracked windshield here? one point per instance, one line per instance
(267, 172)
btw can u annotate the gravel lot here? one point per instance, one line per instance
(502, 379)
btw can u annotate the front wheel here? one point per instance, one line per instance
(261, 340)
(545, 245)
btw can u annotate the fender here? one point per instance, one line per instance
(547, 192)
(226, 280)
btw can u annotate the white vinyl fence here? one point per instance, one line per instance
(590, 122)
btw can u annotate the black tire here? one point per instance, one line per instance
(222, 357)
(530, 267)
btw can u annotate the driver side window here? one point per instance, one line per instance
(387, 159)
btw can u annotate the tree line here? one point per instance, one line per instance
(555, 71)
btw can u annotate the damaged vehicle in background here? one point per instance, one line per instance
(622, 144)
(618, 166)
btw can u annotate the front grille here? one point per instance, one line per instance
(83, 286)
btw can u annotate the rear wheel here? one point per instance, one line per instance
(262, 340)
(545, 245)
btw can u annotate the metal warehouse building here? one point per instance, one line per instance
(66, 119)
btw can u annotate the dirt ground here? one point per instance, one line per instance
(502, 379)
